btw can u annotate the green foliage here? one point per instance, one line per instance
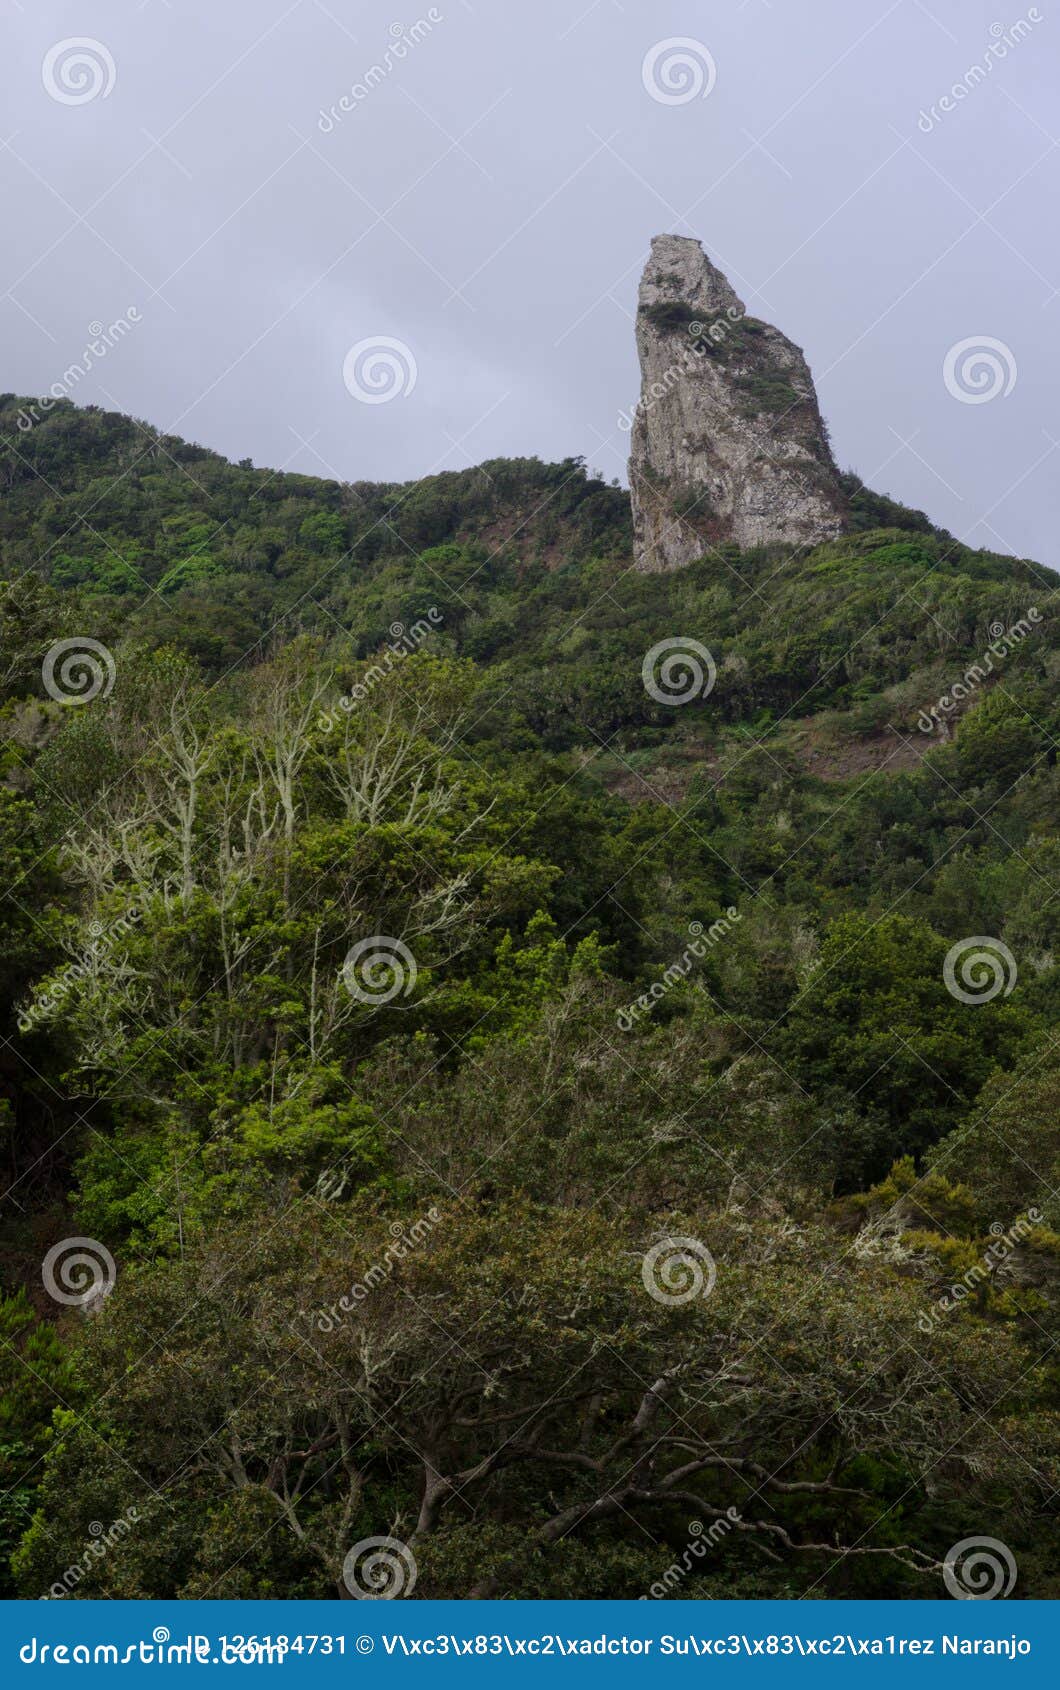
(877, 1022)
(386, 971)
(997, 742)
(334, 1409)
(35, 1374)
(1008, 1149)
(670, 315)
(768, 393)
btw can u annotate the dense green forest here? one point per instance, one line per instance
(554, 1067)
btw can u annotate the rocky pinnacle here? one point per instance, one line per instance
(727, 440)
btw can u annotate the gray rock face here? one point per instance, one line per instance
(727, 441)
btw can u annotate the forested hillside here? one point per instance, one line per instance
(554, 1067)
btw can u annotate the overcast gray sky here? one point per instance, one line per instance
(487, 202)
